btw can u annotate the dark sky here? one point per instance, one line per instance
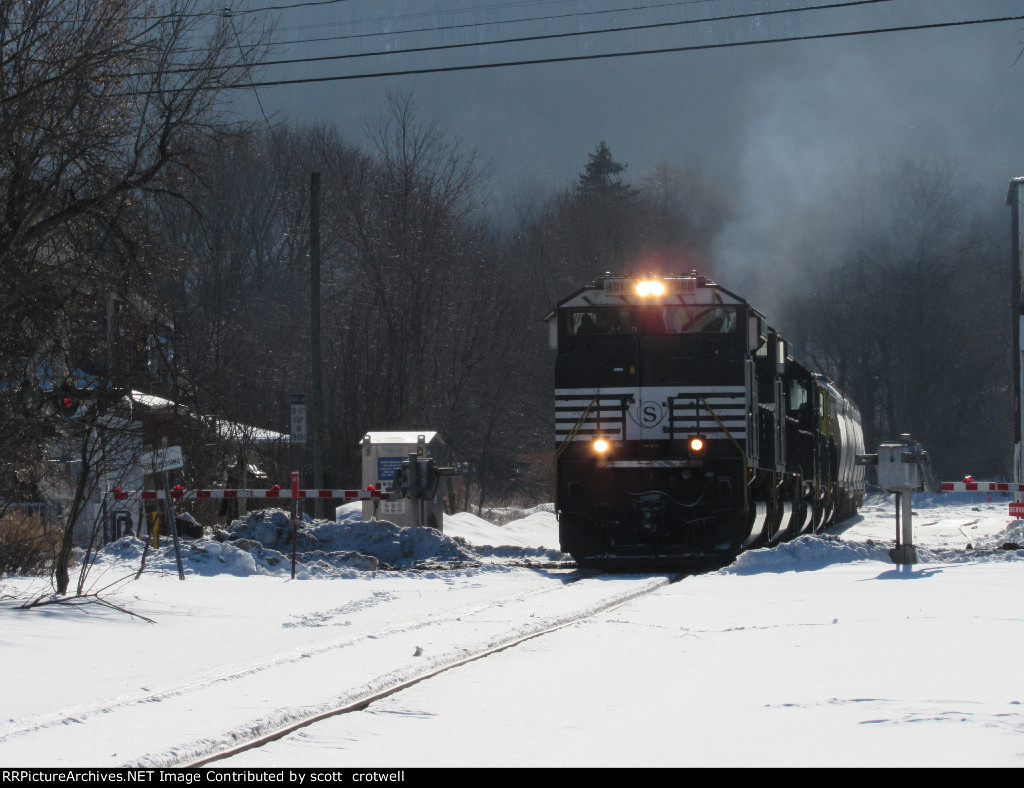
(773, 123)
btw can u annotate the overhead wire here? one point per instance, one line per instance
(633, 53)
(228, 13)
(505, 22)
(489, 23)
(572, 34)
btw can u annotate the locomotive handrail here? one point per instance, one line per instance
(572, 434)
(575, 428)
(743, 454)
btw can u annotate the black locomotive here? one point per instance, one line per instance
(685, 433)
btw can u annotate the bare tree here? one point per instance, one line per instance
(681, 214)
(97, 102)
(901, 304)
(240, 293)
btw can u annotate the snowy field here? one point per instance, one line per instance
(819, 652)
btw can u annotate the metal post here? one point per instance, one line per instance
(174, 526)
(905, 552)
(104, 482)
(295, 517)
(314, 339)
(1013, 199)
(414, 486)
(907, 500)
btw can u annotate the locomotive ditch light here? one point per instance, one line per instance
(696, 444)
(601, 445)
(650, 287)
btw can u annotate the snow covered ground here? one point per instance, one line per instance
(819, 652)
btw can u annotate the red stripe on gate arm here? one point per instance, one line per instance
(947, 487)
(121, 495)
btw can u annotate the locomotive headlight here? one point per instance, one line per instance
(697, 443)
(650, 287)
(601, 445)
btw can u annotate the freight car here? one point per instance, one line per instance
(686, 432)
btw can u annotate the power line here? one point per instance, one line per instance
(304, 4)
(255, 92)
(467, 25)
(630, 53)
(574, 34)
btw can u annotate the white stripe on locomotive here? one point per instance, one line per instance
(616, 412)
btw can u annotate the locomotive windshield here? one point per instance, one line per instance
(666, 319)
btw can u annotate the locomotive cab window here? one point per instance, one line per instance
(798, 398)
(698, 319)
(667, 319)
(600, 320)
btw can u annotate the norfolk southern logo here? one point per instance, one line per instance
(648, 414)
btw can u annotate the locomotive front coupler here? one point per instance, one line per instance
(650, 507)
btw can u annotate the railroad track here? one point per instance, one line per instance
(208, 718)
(579, 599)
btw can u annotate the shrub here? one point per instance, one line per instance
(27, 545)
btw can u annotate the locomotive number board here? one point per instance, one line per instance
(628, 286)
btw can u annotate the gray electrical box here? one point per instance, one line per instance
(895, 475)
(903, 467)
(383, 454)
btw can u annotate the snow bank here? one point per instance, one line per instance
(810, 553)
(806, 553)
(972, 529)
(538, 529)
(393, 546)
(260, 543)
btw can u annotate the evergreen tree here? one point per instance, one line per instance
(602, 176)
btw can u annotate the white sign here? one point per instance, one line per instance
(162, 459)
(392, 507)
(298, 431)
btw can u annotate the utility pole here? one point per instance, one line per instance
(1013, 199)
(314, 339)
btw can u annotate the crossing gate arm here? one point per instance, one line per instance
(981, 487)
(282, 494)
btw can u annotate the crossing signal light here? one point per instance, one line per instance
(67, 404)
